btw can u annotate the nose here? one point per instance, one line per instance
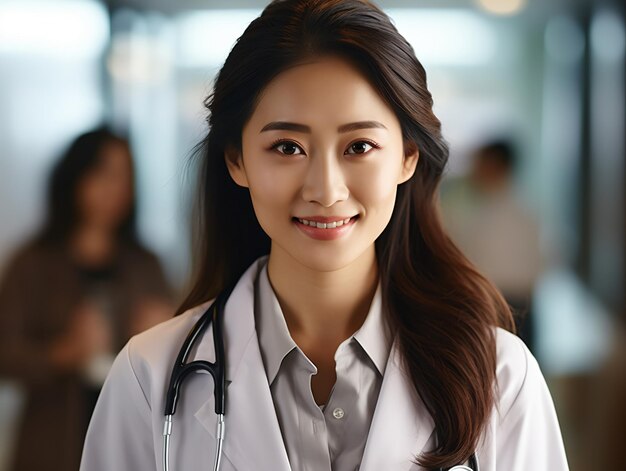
(325, 181)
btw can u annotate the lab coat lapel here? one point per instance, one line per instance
(401, 425)
(253, 439)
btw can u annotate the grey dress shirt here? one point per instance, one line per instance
(333, 436)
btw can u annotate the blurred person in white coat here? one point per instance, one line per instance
(357, 336)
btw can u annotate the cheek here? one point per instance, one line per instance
(375, 186)
(271, 191)
(120, 196)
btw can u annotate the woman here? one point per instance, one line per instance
(72, 297)
(320, 176)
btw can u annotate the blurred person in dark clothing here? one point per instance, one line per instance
(73, 296)
(495, 230)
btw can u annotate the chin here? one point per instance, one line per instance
(327, 260)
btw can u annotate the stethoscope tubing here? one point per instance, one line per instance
(217, 370)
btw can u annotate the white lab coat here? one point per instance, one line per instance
(125, 433)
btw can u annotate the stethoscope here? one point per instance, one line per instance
(181, 370)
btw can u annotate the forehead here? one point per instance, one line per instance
(325, 91)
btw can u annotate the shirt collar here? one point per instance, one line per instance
(274, 337)
(276, 341)
(374, 335)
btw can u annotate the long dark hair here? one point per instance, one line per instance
(81, 156)
(443, 310)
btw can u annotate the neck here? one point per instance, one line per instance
(323, 306)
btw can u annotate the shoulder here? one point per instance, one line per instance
(33, 250)
(524, 430)
(29, 257)
(518, 375)
(155, 343)
(151, 353)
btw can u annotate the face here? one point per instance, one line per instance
(105, 193)
(322, 149)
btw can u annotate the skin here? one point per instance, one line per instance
(324, 287)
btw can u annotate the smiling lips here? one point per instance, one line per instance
(325, 222)
(325, 228)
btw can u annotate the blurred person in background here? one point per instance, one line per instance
(495, 230)
(71, 298)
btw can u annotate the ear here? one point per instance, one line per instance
(409, 164)
(234, 163)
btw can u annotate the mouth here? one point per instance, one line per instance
(326, 222)
(325, 228)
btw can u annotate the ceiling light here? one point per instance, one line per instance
(502, 7)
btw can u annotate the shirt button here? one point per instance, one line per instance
(338, 413)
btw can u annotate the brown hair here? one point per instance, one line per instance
(442, 309)
(82, 156)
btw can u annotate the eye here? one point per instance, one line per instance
(361, 147)
(287, 147)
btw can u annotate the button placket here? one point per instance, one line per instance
(319, 426)
(338, 411)
(312, 429)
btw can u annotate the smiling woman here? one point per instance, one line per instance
(335, 146)
(355, 334)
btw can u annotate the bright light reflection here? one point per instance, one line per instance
(502, 7)
(68, 28)
(206, 37)
(446, 37)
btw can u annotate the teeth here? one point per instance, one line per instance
(325, 225)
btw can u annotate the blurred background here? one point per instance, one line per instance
(532, 101)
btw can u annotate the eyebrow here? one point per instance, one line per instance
(287, 126)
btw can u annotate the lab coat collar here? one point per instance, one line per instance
(400, 428)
